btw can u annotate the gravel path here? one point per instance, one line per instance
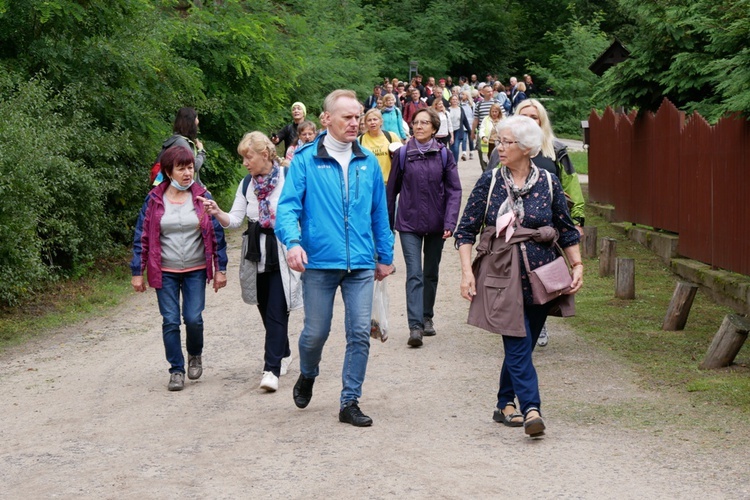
(86, 414)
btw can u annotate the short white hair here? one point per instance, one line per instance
(525, 130)
(330, 101)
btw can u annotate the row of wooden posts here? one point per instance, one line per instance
(729, 338)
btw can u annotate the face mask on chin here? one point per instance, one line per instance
(180, 187)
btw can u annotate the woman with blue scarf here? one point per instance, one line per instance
(392, 120)
(265, 278)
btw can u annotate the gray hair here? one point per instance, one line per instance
(330, 101)
(525, 130)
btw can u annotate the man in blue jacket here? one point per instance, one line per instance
(333, 218)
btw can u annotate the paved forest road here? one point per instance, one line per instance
(85, 414)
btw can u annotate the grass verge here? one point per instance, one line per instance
(631, 329)
(580, 161)
(66, 302)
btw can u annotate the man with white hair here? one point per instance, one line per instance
(333, 218)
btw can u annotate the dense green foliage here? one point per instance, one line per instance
(89, 88)
(695, 52)
(568, 73)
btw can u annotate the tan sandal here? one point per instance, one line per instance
(533, 425)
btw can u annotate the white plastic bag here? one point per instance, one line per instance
(379, 322)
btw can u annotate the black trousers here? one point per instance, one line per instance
(273, 310)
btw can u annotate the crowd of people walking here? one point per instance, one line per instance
(322, 216)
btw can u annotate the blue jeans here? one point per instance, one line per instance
(466, 139)
(518, 375)
(421, 284)
(193, 287)
(458, 137)
(319, 288)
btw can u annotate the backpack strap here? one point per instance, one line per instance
(402, 157)
(245, 184)
(388, 136)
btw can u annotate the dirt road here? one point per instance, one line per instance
(86, 414)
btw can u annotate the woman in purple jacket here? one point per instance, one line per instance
(181, 248)
(425, 179)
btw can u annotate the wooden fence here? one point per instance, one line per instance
(677, 174)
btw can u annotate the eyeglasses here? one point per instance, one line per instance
(505, 144)
(423, 123)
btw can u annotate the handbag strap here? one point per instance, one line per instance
(489, 194)
(554, 242)
(559, 251)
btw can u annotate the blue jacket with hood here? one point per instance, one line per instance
(337, 228)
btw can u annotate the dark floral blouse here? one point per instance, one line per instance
(539, 211)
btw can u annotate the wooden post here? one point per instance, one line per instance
(679, 306)
(607, 256)
(589, 242)
(727, 342)
(625, 279)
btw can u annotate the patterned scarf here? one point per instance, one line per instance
(263, 188)
(514, 202)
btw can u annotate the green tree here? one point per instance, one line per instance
(693, 52)
(568, 74)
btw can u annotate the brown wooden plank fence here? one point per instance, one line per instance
(677, 174)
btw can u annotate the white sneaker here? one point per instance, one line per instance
(463, 156)
(285, 362)
(269, 382)
(543, 339)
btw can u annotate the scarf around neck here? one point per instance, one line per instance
(514, 201)
(432, 144)
(263, 187)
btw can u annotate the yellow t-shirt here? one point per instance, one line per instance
(379, 146)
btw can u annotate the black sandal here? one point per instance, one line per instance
(509, 420)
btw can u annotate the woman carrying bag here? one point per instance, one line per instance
(524, 207)
(265, 277)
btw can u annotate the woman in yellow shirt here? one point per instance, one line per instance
(378, 141)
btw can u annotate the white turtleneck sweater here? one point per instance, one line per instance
(342, 153)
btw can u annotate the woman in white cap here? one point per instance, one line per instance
(288, 134)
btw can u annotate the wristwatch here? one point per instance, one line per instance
(579, 220)
(222, 272)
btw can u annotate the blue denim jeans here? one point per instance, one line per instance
(518, 375)
(192, 285)
(319, 287)
(421, 282)
(466, 140)
(458, 137)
